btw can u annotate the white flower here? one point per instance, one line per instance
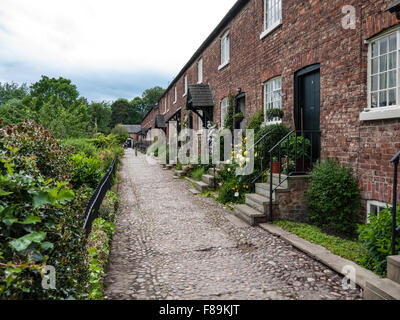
(229, 169)
(237, 194)
(228, 162)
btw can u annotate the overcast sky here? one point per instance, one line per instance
(108, 48)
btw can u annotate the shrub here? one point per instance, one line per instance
(80, 146)
(38, 228)
(33, 141)
(377, 238)
(256, 121)
(334, 198)
(232, 191)
(86, 171)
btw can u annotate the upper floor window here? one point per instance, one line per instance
(272, 15)
(200, 71)
(224, 111)
(225, 50)
(272, 97)
(186, 85)
(176, 95)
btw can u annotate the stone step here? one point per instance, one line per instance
(382, 289)
(178, 173)
(209, 179)
(199, 185)
(211, 171)
(263, 189)
(249, 215)
(257, 202)
(393, 268)
(169, 166)
(276, 180)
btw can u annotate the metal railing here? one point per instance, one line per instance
(395, 228)
(300, 150)
(92, 208)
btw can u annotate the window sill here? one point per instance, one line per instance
(184, 95)
(269, 123)
(380, 113)
(269, 30)
(223, 65)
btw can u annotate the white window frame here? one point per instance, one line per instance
(185, 80)
(388, 112)
(165, 105)
(176, 95)
(377, 204)
(225, 50)
(272, 7)
(224, 110)
(274, 100)
(200, 71)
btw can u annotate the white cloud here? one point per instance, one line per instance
(119, 35)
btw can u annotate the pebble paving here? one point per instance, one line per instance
(172, 245)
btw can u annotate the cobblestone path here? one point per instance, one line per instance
(170, 244)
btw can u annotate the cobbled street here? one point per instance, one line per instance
(170, 244)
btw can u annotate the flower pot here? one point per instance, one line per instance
(275, 167)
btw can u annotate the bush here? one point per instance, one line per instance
(256, 121)
(40, 224)
(86, 171)
(334, 199)
(80, 146)
(377, 238)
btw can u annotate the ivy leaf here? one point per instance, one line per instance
(46, 245)
(24, 242)
(40, 200)
(4, 193)
(65, 195)
(31, 220)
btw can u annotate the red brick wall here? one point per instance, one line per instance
(311, 33)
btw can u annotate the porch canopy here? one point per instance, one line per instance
(160, 122)
(200, 101)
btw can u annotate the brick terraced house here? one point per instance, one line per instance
(332, 66)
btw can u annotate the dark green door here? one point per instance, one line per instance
(308, 108)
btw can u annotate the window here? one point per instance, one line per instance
(186, 86)
(176, 95)
(272, 97)
(272, 15)
(384, 72)
(224, 111)
(200, 71)
(224, 50)
(383, 78)
(375, 207)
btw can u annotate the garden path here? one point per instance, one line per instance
(170, 244)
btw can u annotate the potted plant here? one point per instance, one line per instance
(275, 165)
(274, 113)
(298, 149)
(238, 116)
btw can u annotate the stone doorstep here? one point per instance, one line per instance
(323, 255)
(383, 289)
(393, 268)
(199, 185)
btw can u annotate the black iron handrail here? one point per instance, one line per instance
(277, 149)
(92, 208)
(395, 228)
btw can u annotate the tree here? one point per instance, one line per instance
(135, 111)
(100, 114)
(14, 112)
(150, 97)
(10, 91)
(61, 88)
(119, 112)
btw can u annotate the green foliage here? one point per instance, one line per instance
(377, 238)
(178, 166)
(120, 130)
(229, 115)
(232, 191)
(100, 114)
(86, 171)
(298, 147)
(150, 97)
(348, 249)
(13, 111)
(12, 91)
(119, 112)
(33, 220)
(334, 198)
(80, 145)
(256, 121)
(274, 113)
(33, 141)
(197, 174)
